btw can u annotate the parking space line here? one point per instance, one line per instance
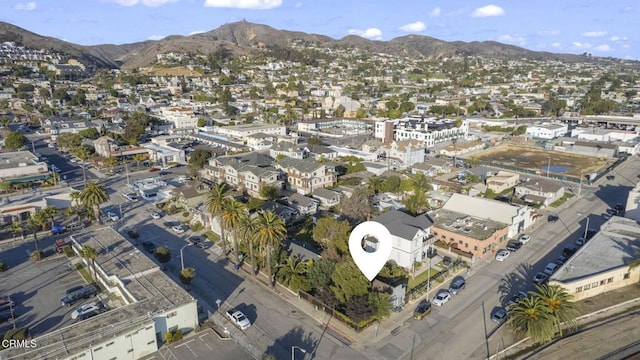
(205, 342)
(187, 345)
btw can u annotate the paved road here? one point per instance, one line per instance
(460, 328)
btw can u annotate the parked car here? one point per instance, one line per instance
(517, 297)
(154, 169)
(552, 218)
(540, 278)
(112, 216)
(149, 246)
(130, 196)
(457, 285)
(606, 216)
(446, 261)
(569, 251)
(499, 316)
(156, 215)
(92, 306)
(238, 319)
(87, 315)
(502, 255)
(60, 243)
(74, 289)
(441, 298)
(194, 239)
(423, 309)
(612, 211)
(524, 238)
(619, 207)
(514, 245)
(611, 177)
(561, 260)
(203, 244)
(179, 229)
(551, 268)
(84, 293)
(580, 241)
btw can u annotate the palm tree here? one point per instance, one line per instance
(83, 154)
(559, 303)
(51, 212)
(233, 212)
(75, 197)
(138, 158)
(419, 182)
(16, 227)
(89, 253)
(92, 196)
(374, 184)
(37, 222)
(272, 232)
(530, 317)
(291, 268)
(248, 227)
(217, 199)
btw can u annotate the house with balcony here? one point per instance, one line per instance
(304, 176)
(475, 237)
(288, 149)
(404, 154)
(304, 205)
(502, 181)
(539, 191)
(433, 167)
(246, 172)
(326, 197)
(409, 234)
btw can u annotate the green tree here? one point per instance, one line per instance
(320, 273)
(215, 203)
(348, 281)
(82, 153)
(272, 232)
(187, 275)
(560, 305)
(162, 254)
(35, 223)
(416, 203)
(375, 184)
(202, 122)
(198, 158)
(269, 192)
(248, 227)
(15, 140)
(361, 113)
(69, 140)
(357, 207)
(135, 127)
(530, 317)
(339, 111)
(291, 273)
(231, 217)
(329, 232)
(138, 158)
(90, 133)
(392, 184)
(419, 182)
(16, 228)
(90, 254)
(92, 196)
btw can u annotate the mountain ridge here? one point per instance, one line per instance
(242, 37)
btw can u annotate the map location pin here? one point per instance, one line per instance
(370, 263)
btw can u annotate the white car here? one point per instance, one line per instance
(441, 298)
(51, 145)
(130, 196)
(551, 268)
(502, 255)
(524, 238)
(156, 216)
(540, 278)
(178, 229)
(92, 306)
(73, 160)
(112, 216)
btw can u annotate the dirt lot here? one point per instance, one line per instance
(537, 159)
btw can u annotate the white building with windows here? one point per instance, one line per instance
(409, 235)
(547, 130)
(430, 131)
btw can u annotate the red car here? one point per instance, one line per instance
(154, 169)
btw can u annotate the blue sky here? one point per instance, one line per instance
(603, 28)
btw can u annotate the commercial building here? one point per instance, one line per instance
(152, 305)
(547, 130)
(429, 131)
(502, 181)
(22, 166)
(243, 131)
(602, 263)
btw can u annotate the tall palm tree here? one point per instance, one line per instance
(530, 317)
(272, 232)
(92, 196)
(138, 158)
(16, 227)
(215, 203)
(291, 268)
(374, 184)
(233, 212)
(36, 222)
(419, 182)
(89, 253)
(75, 197)
(83, 154)
(51, 212)
(559, 303)
(248, 228)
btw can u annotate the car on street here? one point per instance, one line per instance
(606, 216)
(561, 260)
(84, 293)
(92, 306)
(423, 309)
(178, 229)
(619, 207)
(156, 215)
(130, 196)
(194, 239)
(149, 246)
(51, 145)
(611, 177)
(112, 216)
(568, 251)
(499, 316)
(514, 245)
(457, 285)
(203, 244)
(524, 238)
(517, 297)
(238, 319)
(441, 298)
(154, 169)
(612, 211)
(580, 241)
(502, 255)
(552, 218)
(540, 278)
(551, 268)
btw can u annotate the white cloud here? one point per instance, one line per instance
(435, 12)
(417, 26)
(31, 5)
(156, 37)
(581, 45)
(556, 45)
(196, 32)
(370, 33)
(548, 33)
(603, 47)
(594, 34)
(297, 5)
(489, 10)
(150, 3)
(615, 38)
(244, 4)
(513, 39)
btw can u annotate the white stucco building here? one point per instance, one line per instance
(547, 130)
(409, 235)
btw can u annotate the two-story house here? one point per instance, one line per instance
(303, 204)
(502, 181)
(304, 176)
(404, 154)
(288, 149)
(247, 172)
(539, 191)
(433, 167)
(327, 198)
(410, 235)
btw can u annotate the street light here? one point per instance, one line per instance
(182, 258)
(299, 348)
(549, 165)
(586, 228)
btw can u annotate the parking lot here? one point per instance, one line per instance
(36, 290)
(201, 345)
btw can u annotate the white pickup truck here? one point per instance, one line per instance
(238, 318)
